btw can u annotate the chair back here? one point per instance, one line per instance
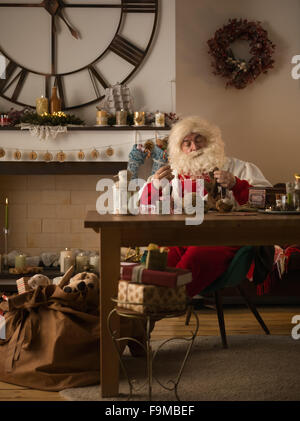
(236, 272)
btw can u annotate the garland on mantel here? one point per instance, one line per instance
(46, 119)
(105, 152)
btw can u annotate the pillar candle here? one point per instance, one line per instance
(20, 262)
(63, 254)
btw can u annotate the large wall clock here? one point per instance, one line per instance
(57, 15)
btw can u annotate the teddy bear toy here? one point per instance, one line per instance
(38, 280)
(82, 282)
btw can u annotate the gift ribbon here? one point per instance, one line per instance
(137, 273)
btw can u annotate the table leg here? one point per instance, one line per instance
(110, 243)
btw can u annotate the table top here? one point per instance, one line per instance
(94, 219)
(234, 228)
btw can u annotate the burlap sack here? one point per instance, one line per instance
(52, 339)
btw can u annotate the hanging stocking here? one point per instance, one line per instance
(136, 158)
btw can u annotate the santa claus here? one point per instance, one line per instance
(196, 149)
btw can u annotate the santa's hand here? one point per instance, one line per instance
(225, 179)
(164, 172)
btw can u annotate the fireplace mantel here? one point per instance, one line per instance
(99, 128)
(121, 139)
(69, 168)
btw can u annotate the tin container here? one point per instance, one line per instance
(159, 119)
(102, 118)
(121, 118)
(139, 118)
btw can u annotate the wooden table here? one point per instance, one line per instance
(169, 230)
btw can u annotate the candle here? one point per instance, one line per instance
(41, 105)
(82, 262)
(94, 263)
(63, 254)
(159, 119)
(121, 118)
(6, 214)
(139, 118)
(102, 118)
(20, 263)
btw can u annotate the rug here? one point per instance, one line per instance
(253, 368)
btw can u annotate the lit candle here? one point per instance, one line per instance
(20, 263)
(6, 213)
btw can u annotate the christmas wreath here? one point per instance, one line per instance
(238, 71)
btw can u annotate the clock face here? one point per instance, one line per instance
(80, 47)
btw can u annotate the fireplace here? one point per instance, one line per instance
(49, 201)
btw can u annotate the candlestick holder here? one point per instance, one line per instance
(5, 258)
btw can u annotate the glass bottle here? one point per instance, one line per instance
(55, 102)
(297, 194)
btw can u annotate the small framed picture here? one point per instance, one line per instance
(257, 198)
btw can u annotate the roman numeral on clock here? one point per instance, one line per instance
(20, 77)
(96, 76)
(59, 83)
(139, 6)
(127, 50)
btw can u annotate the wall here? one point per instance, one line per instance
(151, 86)
(261, 122)
(47, 212)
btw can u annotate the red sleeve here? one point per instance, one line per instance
(149, 190)
(241, 191)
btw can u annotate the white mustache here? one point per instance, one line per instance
(195, 154)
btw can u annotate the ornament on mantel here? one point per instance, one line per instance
(61, 156)
(95, 154)
(2, 152)
(81, 155)
(109, 151)
(33, 156)
(17, 155)
(48, 156)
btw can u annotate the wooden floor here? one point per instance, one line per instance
(238, 320)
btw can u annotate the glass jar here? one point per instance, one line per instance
(290, 193)
(297, 195)
(82, 262)
(94, 263)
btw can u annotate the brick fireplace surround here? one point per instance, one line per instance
(46, 212)
(49, 201)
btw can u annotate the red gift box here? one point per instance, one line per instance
(171, 277)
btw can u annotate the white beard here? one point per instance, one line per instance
(199, 162)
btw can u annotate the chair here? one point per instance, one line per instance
(233, 277)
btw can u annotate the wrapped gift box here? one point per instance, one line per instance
(156, 260)
(151, 298)
(22, 285)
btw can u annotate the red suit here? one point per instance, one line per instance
(205, 263)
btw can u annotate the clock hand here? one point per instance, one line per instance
(73, 32)
(21, 5)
